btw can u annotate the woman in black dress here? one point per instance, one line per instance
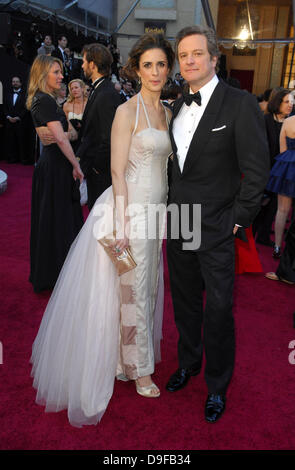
(56, 215)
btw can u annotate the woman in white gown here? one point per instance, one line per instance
(97, 325)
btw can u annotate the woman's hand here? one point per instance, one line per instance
(122, 238)
(77, 172)
(120, 245)
(45, 136)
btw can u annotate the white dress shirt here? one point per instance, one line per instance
(62, 53)
(188, 118)
(15, 96)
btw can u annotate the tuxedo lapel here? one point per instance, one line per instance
(206, 124)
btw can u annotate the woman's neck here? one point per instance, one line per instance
(78, 100)
(280, 117)
(151, 98)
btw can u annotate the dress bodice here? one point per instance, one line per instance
(45, 109)
(73, 115)
(148, 156)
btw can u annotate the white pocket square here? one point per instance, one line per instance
(218, 128)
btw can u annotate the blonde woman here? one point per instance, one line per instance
(56, 215)
(75, 105)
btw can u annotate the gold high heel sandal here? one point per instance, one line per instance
(147, 391)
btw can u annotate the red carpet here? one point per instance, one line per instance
(261, 397)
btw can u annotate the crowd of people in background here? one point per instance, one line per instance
(276, 104)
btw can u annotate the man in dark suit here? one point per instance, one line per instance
(127, 91)
(15, 113)
(60, 53)
(95, 133)
(218, 135)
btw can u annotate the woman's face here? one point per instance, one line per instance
(54, 77)
(286, 105)
(76, 90)
(153, 69)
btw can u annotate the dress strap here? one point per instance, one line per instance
(145, 111)
(137, 114)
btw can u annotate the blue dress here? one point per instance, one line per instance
(282, 175)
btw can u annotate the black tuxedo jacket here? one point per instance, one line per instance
(227, 164)
(17, 110)
(95, 132)
(57, 53)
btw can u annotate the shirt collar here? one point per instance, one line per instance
(207, 90)
(97, 82)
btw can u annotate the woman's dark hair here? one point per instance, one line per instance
(100, 56)
(276, 100)
(266, 94)
(146, 42)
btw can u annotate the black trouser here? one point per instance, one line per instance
(264, 219)
(286, 268)
(187, 271)
(15, 148)
(97, 183)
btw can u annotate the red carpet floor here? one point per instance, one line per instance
(261, 398)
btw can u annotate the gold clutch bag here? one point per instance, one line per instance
(123, 262)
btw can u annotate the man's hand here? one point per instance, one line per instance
(45, 135)
(236, 228)
(13, 120)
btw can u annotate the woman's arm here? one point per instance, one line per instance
(283, 140)
(120, 144)
(62, 141)
(47, 138)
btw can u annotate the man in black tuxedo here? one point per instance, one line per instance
(218, 135)
(60, 53)
(95, 133)
(126, 92)
(15, 113)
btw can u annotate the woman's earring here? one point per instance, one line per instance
(139, 81)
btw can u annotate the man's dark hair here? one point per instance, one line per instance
(209, 34)
(59, 38)
(100, 56)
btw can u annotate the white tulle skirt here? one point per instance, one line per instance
(76, 351)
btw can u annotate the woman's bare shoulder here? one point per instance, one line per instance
(290, 121)
(127, 111)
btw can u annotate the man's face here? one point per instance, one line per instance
(196, 65)
(86, 68)
(127, 87)
(16, 83)
(63, 42)
(47, 41)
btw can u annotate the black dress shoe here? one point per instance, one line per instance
(215, 406)
(180, 378)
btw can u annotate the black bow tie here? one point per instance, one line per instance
(189, 98)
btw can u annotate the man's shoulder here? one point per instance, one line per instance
(108, 91)
(231, 91)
